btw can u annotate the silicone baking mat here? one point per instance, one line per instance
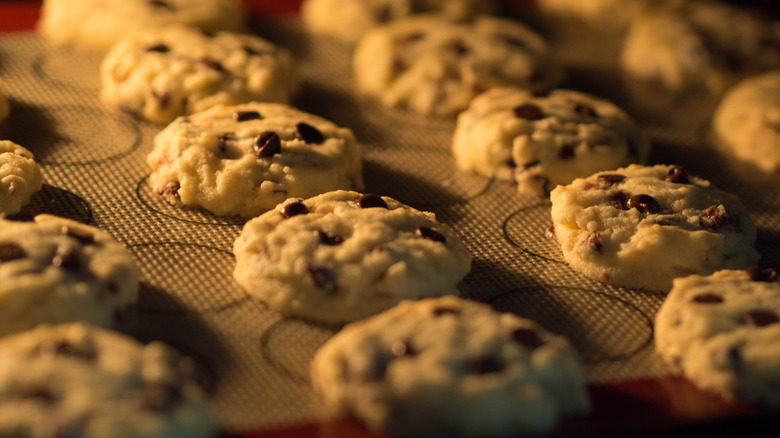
(254, 362)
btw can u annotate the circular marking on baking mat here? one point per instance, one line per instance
(68, 68)
(59, 202)
(289, 345)
(150, 200)
(527, 230)
(420, 177)
(73, 134)
(602, 327)
(180, 278)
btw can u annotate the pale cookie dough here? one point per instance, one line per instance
(542, 140)
(641, 227)
(432, 65)
(747, 120)
(99, 24)
(77, 380)
(5, 108)
(245, 159)
(599, 14)
(348, 20)
(342, 255)
(20, 177)
(450, 367)
(57, 270)
(164, 73)
(723, 332)
(700, 45)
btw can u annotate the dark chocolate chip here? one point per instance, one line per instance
(715, 217)
(761, 318)
(550, 232)
(707, 299)
(328, 240)
(251, 51)
(430, 234)
(11, 251)
(294, 209)
(51, 348)
(439, 311)
(531, 164)
(322, 278)
(540, 90)
(163, 99)
(371, 200)
(243, 116)
(41, 395)
(583, 109)
(609, 179)
(459, 47)
(170, 193)
(643, 203)
(308, 133)
(223, 141)
(566, 152)
(486, 365)
(266, 145)
(527, 337)
(85, 237)
(159, 47)
(528, 111)
(382, 13)
(161, 4)
(757, 274)
(594, 240)
(619, 200)
(212, 64)
(205, 32)
(677, 175)
(160, 397)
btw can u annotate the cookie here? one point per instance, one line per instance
(99, 24)
(343, 255)
(723, 332)
(598, 14)
(435, 66)
(747, 121)
(78, 380)
(543, 140)
(160, 74)
(20, 177)
(5, 108)
(450, 367)
(699, 45)
(348, 20)
(641, 227)
(56, 270)
(245, 159)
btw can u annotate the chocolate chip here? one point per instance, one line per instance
(618, 200)
(322, 278)
(550, 232)
(401, 349)
(267, 144)
(163, 99)
(42, 395)
(308, 133)
(170, 193)
(761, 318)
(382, 13)
(566, 152)
(528, 111)
(293, 209)
(707, 299)
(757, 274)
(439, 311)
(159, 47)
(85, 237)
(251, 51)
(486, 365)
(643, 203)
(609, 179)
(371, 200)
(10, 251)
(160, 397)
(243, 116)
(205, 32)
(414, 37)
(583, 109)
(715, 217)
(540, 91)
(677, 175)
(212, 64)
(431, 234)
(52, 348)
(161, 4)
(223, 141)
(531, 164)
(459, 47)
(527, 337)
(328, 240)
(594, 241)
(68, 258)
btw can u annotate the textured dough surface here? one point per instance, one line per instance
(20, 177)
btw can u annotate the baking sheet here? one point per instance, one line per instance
(253, 362)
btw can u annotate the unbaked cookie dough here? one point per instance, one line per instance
(432, 65)
(245, 159)
(343, 255)
(160, 74)
(99, 24)
(642, 227)
(723, 332)
(747, 120)
(57, 270)
(20, 177)
(348, 20)
(542, 140)
(78, 380)
(450, 367)
(704, 45)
